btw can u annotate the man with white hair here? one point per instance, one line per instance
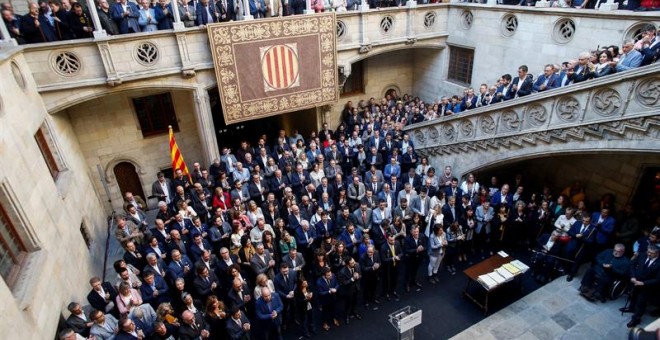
(584, 70)
(630, 59)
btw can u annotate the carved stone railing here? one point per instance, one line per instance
(113, 60)
(624, 100)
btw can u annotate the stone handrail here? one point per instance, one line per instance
(113, 60)
(623, 98)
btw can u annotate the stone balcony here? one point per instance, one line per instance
(617, 112)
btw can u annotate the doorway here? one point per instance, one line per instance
(128, 179)
(304, 121)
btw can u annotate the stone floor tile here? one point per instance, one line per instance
(547, 330)
(580, 331)
(563, 320)
(528, 336)
(510, 328)
(535, 314)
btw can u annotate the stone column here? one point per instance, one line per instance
(205, 125)
(246, 10)
(99, 32)
(610, 5)
(6, 40)
(178, 24)
(308, 7)
(364, 6)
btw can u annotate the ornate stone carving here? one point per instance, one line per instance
(429, 19)
(564, 30)
(607, 102)
(18, 75)
(648, 92)
(621, 129)
(386, 24)
(434, 135)
(467, 128)
(364, 48)
(419, 137)
(537, 114)
(146, 53)
(511, 120)
(448, 132)
(509, 25)
(568, 108)
(411, 41)
(488, 124)
(341, 29)
(466, 19)
(66, 63)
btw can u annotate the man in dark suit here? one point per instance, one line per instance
(154, 289)
(580, 71)
(224, 10)
(262, 262)
(102, 296)
(127, 329)
(299, 180)
(327, 287)
(205, 13)
(258, 189)
(285, 285)
(224, 263)
(453, 190)
(193, 326)
(269, 312)
(239, 296)
(521, 85)
(238, 325)
(180, 267)
(126, 15)
(325, 187)
(645, 278)
(206, 283)
(132, 256)
(502, 197)
(391, 255)
(349, 285)
(548, 80)
(278, 183)
(650, 46)
(415, 249)
(295, 261)
(450, 212)
(78, 321)
(413, 179)
(370, 264)
(374, 158)
(604, 227)
(582, 245)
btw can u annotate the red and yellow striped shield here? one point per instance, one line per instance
(279, 66)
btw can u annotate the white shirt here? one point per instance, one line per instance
(166, 191)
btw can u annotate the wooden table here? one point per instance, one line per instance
(481, 268)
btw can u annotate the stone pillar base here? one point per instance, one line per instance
(179, 26)
(411, 4)
(248, 17)
(608, 6)
(491, 2)
(100, 34)
(542, 4)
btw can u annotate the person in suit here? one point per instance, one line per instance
(380, 214)
(128, 330)
(453, 190)
(162, 188)
(413, 179)
(164, 15)
(580, 70)
(649, 45)
(154, 290)
(325, 187)
(609, 265)
(262, 262)
(238, 326)
(180, 266)
(502, 197)
(349, 285)
(504, 89)
(521, 85)
(352, 239)
(450, 212)
(134, 200)
(370, 264)
(548, 249)
(223, 8)
(36, 27)
(132, 256)
(239, 296)
(356, 191)
(105, 326)
(630, 59)
(582, 244)
(295, 261)
(645, 278)
(126, 15)
(547, 81)
(415, 251)
(421, 203)
(327, 288)
(258, 189)
(268, 309)
(205, 13)
(363, 217)
(375, 158)
(299, 180)
(206, 283)
(193, 326)
(391, 255)
(604, 227)
(102, 296)
(78, 321)
(278, 183)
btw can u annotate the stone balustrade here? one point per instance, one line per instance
(600, 107)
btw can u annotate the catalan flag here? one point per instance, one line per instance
(177, 158)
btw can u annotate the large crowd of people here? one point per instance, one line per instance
(300, 234)
(57, 20)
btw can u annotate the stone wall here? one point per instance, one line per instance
(112, 134)
(47, 213)
(383, 71)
